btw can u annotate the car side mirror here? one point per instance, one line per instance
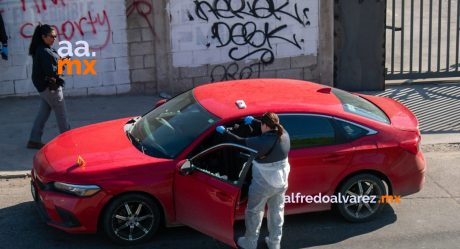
(160, 102)
(186, 168)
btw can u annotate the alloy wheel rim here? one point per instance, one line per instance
(132, 220)
(361, 209)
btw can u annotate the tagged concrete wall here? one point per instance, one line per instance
(213, 37)
(153, 46)
(101, 23)
(197, 42)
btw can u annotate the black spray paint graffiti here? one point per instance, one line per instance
(261, 9)
(233, 72)
(248, 33)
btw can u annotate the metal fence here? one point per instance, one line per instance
(422, 39)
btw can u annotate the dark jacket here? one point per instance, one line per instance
(3, 36)
(45, 62)
(268, 145)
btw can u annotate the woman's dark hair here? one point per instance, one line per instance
(273, 122)
(41, 29)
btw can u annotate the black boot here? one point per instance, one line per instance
(34, 145)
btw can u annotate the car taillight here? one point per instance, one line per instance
(412, 145)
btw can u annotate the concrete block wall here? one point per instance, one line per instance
(214, 41)
(153, 46)
(100, 23)
(141, 39)
(187, 43)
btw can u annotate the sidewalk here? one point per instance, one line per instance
(436, 106)
(18, 115)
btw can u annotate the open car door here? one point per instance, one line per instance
(208, 186)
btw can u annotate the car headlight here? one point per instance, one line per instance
(79, 190)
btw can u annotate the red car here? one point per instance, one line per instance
(168, 167)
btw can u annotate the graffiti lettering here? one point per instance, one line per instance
(259, 37)
(261, 9)
(144, 9)
(248, 34)
(233, 72)
(68, 29)
(43, 4)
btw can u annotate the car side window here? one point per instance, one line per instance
(225, 163)
(309, 131)
(351, 131)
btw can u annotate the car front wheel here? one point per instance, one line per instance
(359, 208)
(131, 219)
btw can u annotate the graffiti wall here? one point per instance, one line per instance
(102, 24)
(153, 46)
(240, 38)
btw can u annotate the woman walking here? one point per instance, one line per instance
(47, 82)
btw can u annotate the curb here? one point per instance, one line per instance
(444, 138)
(14, 174)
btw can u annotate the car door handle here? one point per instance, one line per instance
(333, 158)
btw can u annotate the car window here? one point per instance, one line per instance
(167, 130)
(351, 131)
(359, 106)
(308, 131)
(225, 163)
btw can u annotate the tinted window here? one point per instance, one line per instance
(359, 106)
(351, 132)
(308, 131)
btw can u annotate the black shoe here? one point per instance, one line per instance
(34, 145)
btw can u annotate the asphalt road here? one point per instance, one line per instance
(428, 219)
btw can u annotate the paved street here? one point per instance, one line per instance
(428, 219)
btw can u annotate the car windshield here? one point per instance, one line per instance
(168, 129)
(360, 106)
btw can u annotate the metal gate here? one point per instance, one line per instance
(422, 39)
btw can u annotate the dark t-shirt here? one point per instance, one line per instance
(263, 143)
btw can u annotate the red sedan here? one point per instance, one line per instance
(168, 167)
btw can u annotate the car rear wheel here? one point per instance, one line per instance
(359, 208)
(131, 219)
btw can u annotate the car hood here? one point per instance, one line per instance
(101, 147)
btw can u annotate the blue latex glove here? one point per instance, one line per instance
(220, 129)
(4, 53)
(248, 120)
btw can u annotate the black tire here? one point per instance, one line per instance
(131, 219)
(362, 185)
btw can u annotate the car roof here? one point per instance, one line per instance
(264, 95)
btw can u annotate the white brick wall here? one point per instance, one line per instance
(196, 35)
(15, 78)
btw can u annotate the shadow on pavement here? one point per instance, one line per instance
(436, 106)
(21, 227)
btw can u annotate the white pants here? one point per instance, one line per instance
(261, 193)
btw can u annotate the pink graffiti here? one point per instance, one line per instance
(43, 4)
(144, 9)
(68, 30)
